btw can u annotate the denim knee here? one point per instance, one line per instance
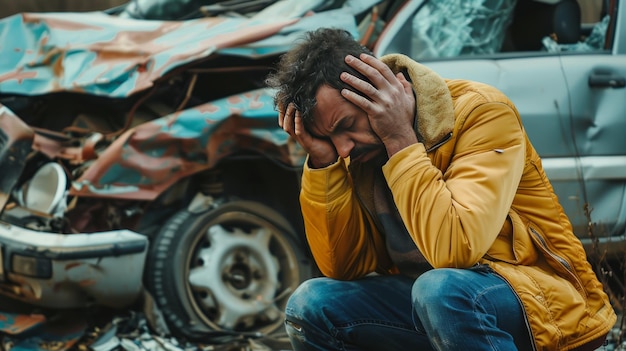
(307, 302)
(306, 322)
(472, 309)
(438, 288)
(432, 286)
(300, 300)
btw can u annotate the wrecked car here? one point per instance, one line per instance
(142, 159)
(564, 69)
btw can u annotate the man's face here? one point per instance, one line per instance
(345, 125)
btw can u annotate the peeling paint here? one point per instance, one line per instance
(131, 53)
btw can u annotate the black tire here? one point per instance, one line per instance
(231, 268)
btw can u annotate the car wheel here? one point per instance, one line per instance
(231, 268)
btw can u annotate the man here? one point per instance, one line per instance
(428, 212)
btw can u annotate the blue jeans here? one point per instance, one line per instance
(444, 309)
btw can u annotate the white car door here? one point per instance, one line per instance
(576, 128)
(597, 86)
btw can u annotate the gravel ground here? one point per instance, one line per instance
(104, 330)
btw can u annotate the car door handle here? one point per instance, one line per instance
(604, 79)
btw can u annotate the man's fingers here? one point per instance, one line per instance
(358, 100)
(301, 134)
(408, 87)
(379, 65)
(293, 124)
(374, 69)
(281, 115)
(360, 85)
(288, 119)
(299, 126)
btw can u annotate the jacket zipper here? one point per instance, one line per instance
(560, 260)
(440, 142)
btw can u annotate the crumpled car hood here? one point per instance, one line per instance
(151, 157)
(103, 55)
(99, 54)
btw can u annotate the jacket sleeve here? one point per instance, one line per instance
(342, 239)
(454, 217)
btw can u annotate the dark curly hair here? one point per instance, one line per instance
(317, 60)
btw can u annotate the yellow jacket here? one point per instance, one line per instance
(472, 191)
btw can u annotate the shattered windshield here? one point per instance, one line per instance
(449, 28)
(427, 30)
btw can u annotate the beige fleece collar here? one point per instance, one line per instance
(435, 111)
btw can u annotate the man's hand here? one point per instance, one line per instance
(390, 105)
(321, 151)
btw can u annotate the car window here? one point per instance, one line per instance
(450, 28)
(453, 28)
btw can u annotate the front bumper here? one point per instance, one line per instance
(71, 270)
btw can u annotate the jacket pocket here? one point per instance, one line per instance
(514, 244)
(559, 263)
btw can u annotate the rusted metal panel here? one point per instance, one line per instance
(95, 53)
(154, 155)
